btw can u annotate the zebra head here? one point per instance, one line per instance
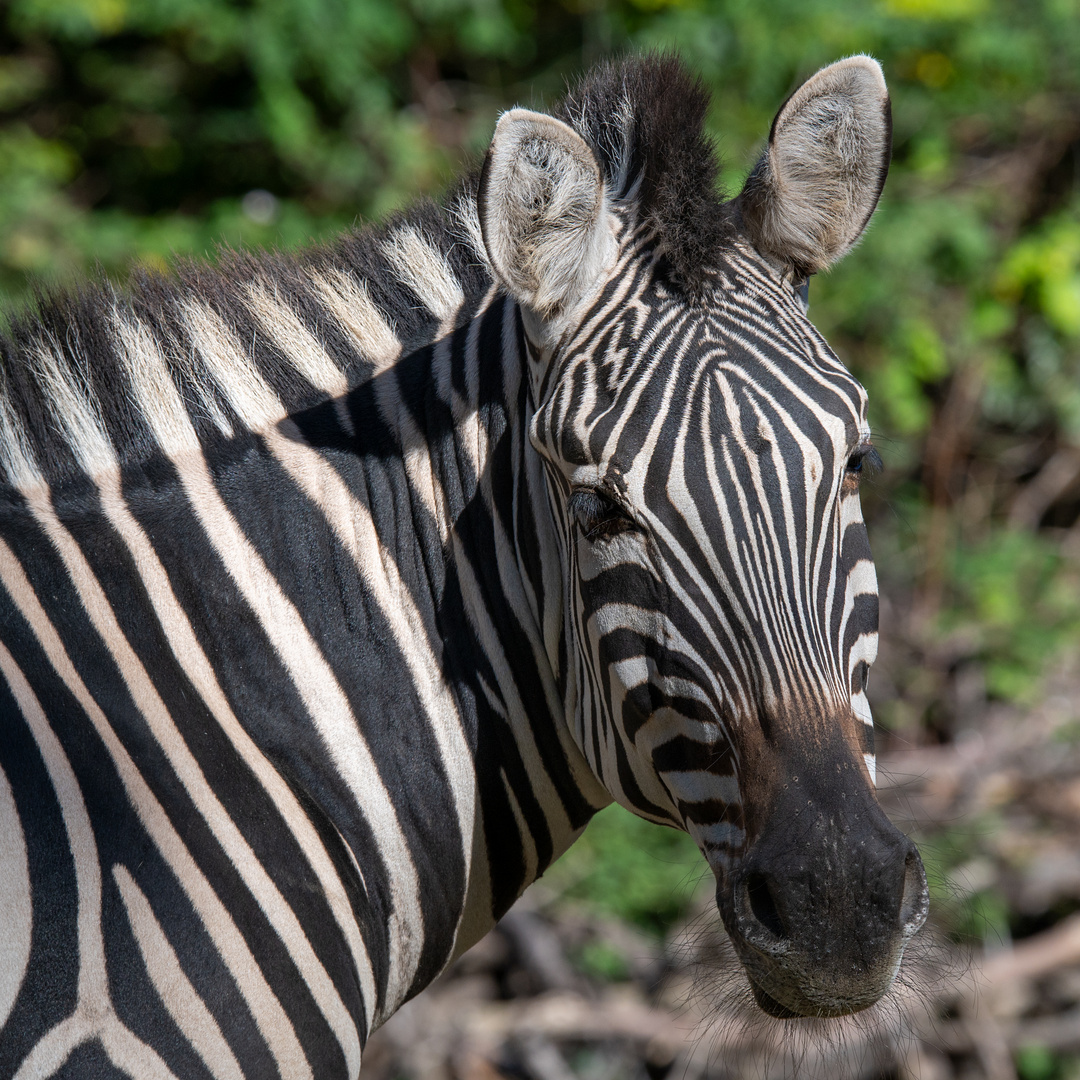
(704, 448)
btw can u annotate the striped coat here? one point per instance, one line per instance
(339, 589)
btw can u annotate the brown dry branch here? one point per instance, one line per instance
(1057, 474)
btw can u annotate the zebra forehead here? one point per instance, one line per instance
(644, 359)
(759, 401)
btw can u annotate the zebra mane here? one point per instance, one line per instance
(644, 119)
(407, 282)
(64, 385)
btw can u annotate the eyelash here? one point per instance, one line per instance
(865, 456)
(597, 515)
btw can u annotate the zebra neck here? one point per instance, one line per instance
(434, 450)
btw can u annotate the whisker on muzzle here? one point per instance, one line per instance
(728, 1035)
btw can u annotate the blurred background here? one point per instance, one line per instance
(133, 131)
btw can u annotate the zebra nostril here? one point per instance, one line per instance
(915, 902)
(762, 904)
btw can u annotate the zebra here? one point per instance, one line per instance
(339, 589)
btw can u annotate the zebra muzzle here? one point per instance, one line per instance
(820, 916)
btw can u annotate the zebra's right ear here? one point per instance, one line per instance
(543, 214)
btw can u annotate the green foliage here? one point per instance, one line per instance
(133, 131)
(1040, 1063)
(602, 961)
(633, 870)
(1020, 602)
(1036, 1063)
(970, 911)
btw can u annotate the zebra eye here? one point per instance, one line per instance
(596, 515)
(865, 456)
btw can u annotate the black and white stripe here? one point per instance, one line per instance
(312, 658)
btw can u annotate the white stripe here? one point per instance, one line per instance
(632, 670)
(863, 649)
(466, 213)
(15, 902)
(155, 393)
(699, 787)
(425, 271)
(74, 410)
(236, 376)
(861, 707)
(298, 344)
(721, 835)
(174, 988)
(302, 349)
(862, 579)
(16, 458)
(352, 306)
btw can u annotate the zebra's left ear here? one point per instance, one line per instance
(811, 195)
(543, 214)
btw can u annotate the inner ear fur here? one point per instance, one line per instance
(811, 194)
(543, 213)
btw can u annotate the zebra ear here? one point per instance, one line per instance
(543, 214)
(812, 192)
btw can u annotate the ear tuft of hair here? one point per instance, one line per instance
(644, 118)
